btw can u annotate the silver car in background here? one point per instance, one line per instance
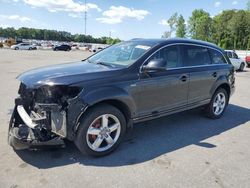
(23, 46)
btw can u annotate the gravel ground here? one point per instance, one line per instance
(182, 150)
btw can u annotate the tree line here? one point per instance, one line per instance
(44, 34)
(230, 29)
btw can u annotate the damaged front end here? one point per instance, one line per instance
(44, 116)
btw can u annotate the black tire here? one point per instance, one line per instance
(86, 121)
(242, 66)
(209, 110)
(16, 48)
(30, 48)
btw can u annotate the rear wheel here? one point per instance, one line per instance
(218, 104)
(101, 131)
(16, 48)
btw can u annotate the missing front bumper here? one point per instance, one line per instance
(32, 130)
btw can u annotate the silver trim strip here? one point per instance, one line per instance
(186, 67)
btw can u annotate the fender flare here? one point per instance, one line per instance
(222, 80)
(110, 93)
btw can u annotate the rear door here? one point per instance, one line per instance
(164, 91)
(22, 47)
(26, 46)
(203, 74)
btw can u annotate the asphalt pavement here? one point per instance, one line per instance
(181, 150)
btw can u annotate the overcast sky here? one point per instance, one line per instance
(125, 19)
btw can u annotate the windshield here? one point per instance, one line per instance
(122, 54)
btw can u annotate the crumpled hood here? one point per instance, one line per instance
(63, 74)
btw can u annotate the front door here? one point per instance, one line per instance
(164, 91)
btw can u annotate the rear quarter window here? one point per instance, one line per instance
(217, 57)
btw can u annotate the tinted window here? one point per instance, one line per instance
(195, 55)
(217, 57)
(122, 54)
(229, 55)
(170, 55)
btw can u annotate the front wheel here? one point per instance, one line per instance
(218, 104)
(101, 131)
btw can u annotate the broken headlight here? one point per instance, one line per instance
(55, 94)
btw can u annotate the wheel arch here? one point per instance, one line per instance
(224, 86)
(116, 97)
(120, 105)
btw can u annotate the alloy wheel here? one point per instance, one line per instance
(103, 132)
(219, 103)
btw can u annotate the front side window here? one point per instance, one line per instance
(235, 56)
(122, 54)
(217, 57)
(195, 55)
(170, 55)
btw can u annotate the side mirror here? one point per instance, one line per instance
(155, 65)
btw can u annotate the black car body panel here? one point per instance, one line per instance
(64, 74)
(65, 92)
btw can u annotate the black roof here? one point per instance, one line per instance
(178, 40)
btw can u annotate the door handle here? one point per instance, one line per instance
(214, 74)
(184, 78)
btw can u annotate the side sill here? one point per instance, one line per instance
(171, 111)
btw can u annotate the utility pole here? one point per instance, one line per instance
(85, 18)
(109, 34)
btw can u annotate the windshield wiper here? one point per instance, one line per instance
(105, 64)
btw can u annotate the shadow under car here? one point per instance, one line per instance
(148, 141)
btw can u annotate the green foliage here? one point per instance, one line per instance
(44, 34)
(166, 34)
(172, 21)
(248, 5)
(200, 25)
(181, 27)
(229, 29)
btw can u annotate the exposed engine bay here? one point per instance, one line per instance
(41, 117)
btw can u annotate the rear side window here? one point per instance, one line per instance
(170, 55)
(217, 57)
(195, 55)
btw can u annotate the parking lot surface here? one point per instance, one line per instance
(182, 150)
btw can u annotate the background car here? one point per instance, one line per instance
(237, 62)
(97, 49)
(248, 61)
(23, 46)
(63, 47)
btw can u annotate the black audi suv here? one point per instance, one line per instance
(95, 101)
